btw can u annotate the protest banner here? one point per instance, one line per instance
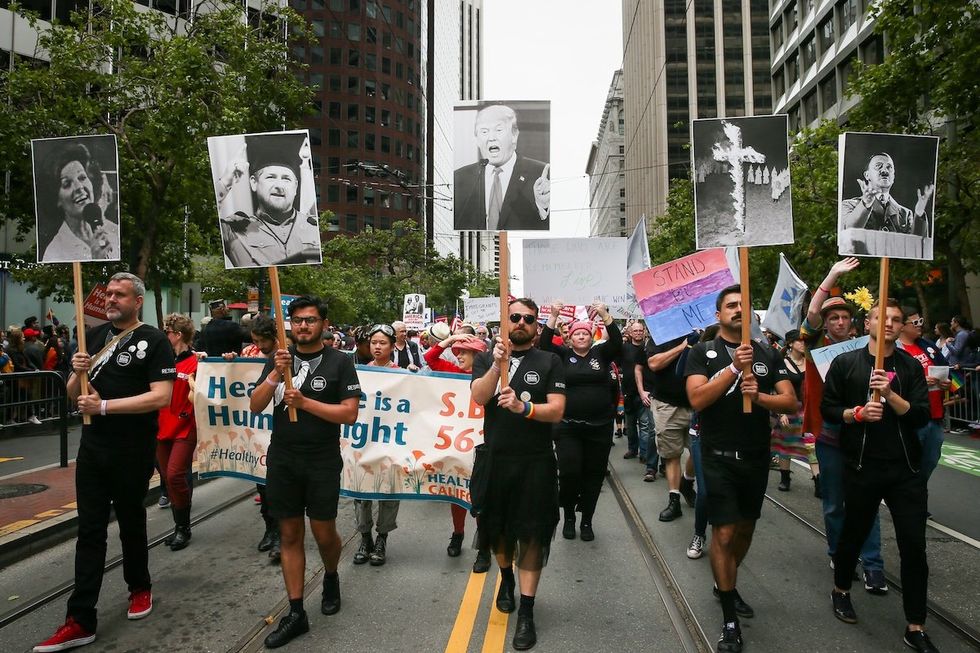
(94, 308)
(824, 356)
(481, 309)
(575, 270)
(413, 438)
(679, 296)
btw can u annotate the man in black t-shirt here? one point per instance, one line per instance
(222, 335)
(303, 462)
(130, 379)
(520, 513)
(734, 444)
(671, 416)
(637, 412)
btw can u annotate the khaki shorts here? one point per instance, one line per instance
(672, 424)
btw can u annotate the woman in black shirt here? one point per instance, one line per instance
(583, 438)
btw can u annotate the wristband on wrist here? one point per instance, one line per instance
(103, 406)
(825, 290)
(528, 410)
(733, 369)
(857, 413)
(269, 380)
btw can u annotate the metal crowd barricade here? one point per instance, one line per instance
(36, 398)
(963, 406)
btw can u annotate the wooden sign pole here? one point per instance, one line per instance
(504, 306)
(76, 269)
(747, 316)
(882, 312)
(281, 328)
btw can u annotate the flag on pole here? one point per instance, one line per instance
(456, 323)
(637, 260)
(786, 306)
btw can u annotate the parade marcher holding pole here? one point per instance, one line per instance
(304, 462)
(583, 438)
(734, 445)
(520, 514)
(881, 449)
(130, 379)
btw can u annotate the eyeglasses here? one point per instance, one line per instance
(383, 328)
(919, 321)
(304, 320)
(515, 318)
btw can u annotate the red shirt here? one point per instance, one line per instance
(935, 394)
(176, 421)
(435, 362)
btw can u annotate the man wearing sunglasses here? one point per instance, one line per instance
(930, 435)
(520, 513)
(303, 462)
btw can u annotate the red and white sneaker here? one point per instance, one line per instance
(140, 604)
(70, 635)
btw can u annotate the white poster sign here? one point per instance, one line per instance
(575, 270)
(481, 309)
(414, 312)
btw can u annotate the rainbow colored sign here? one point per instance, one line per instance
(679, 296)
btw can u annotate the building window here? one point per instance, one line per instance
(353, 139)
(352, 112)
(792, 70)
(369, 113)
(622, 192)
(777, 36)
(352, 194)
(350, 222)
(794, 119)
(826, 34)
(778, 84)
(873, 50)
(353, 58)
(353, 85)
(370, 87)
(828, 92)
(316, 54)
(385, 117)
(810, 110)
(333, 137)
(846, 73)
(353, 32)
(368, 198)
(333, 164)
(371, 34)
(386, 144)
(806, 8)
(369, 141)
(848, 13)
(790, 17)
(336, 29)
(334, 110)
(808, 51)
(370, 61)
(316, 136)
(335, 83)
(333, 193)
(316, 80)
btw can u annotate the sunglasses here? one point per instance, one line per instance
(919, 321)
(515, 318)
(383, 328)
(304, 320)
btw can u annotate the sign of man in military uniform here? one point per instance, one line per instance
(277, 232)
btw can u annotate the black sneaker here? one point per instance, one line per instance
(455, 548)
(586, 532)
(568, 529)
(919, 641)
(673, 509)
(266, 542)
(291, 626)
(330, 601)
(525, 636)
(742, 608)
(874, 582)
(731, 638)
(687, 491)
(364, 550)
(843, 608)
(482, 563)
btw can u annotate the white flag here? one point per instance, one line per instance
(637, 260)
(785, 307)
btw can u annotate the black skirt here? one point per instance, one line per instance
(520, 512)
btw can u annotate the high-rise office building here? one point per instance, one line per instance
(607, 181)
(685, 59)
(368, 64)
(455, 73)
(815, 44)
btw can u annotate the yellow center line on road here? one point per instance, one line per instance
(10, 460)
(459, 639)
(493, 641)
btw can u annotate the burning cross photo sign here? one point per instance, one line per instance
(742, 192)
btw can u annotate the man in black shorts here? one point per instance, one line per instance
(520, 514)
(304, 461)
(130, 380)
(734, 445)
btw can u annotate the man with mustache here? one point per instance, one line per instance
(734, 445)
(502, 190)
(520, 513)
(880, 443)
(877, 210)
(277, 234)
(130, 379)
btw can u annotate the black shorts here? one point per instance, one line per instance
(298, 481)
(735, 488)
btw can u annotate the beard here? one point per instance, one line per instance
(520, 337)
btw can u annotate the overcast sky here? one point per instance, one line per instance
(565, 52)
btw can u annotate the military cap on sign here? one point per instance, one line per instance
(275, 150)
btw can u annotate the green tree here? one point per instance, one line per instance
(161, 86)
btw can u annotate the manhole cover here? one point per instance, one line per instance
(20, 489)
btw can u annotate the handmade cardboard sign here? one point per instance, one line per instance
(575, 270)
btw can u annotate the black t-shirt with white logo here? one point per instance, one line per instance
(668, 387)
(140, 358)
(331, 379)
(723, 424)
(534, 374)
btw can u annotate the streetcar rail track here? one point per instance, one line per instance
(690, 634)
(43, 599)
(958, 626)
